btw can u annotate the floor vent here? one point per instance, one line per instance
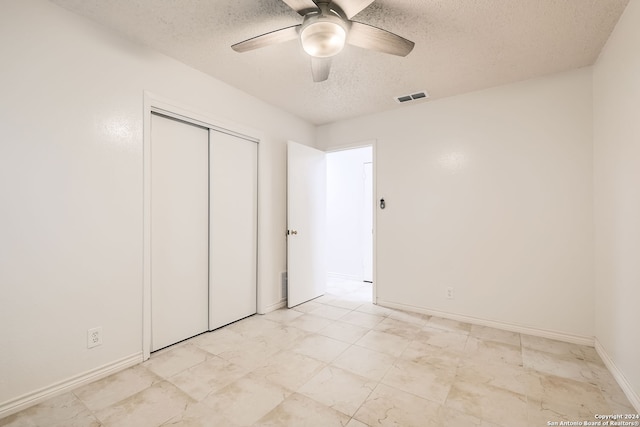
(413, 97)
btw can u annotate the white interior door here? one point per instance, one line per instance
(367, 222)
(179, 230)
(306, 207)
(233, 228)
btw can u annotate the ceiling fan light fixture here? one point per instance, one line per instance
(323, 38)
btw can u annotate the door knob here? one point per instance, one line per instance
(292, 231)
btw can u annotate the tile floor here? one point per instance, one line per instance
(340, 360)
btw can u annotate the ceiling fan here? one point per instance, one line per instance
(325, 29)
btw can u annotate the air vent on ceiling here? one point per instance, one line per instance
(413, 97)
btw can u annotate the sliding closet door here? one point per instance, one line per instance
(179, 230)
(233, 228)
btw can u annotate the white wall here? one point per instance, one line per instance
(617, 197)
(71, 189)
(490, 193)
(345, 211)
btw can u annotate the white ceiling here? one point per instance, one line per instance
(461, 46)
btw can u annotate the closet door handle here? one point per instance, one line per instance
(289, 232)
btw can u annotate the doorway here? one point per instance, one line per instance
(350, 221)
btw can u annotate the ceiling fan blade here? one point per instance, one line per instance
(352, 7)
(274, 37)
(320, 68)
(374, 38)
(301, 6)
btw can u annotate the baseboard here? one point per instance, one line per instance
(555, 335)
(274, 307)
(633, 397)
(29, 399)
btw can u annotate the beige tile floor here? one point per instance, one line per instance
(340, 360)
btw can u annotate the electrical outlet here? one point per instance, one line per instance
(449, 292)
(94, 337)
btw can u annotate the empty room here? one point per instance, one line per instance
(318, 213)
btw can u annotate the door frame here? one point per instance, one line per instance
(158, 104)
(367, 274)
(362, 144)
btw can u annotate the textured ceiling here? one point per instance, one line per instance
(461, 46)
